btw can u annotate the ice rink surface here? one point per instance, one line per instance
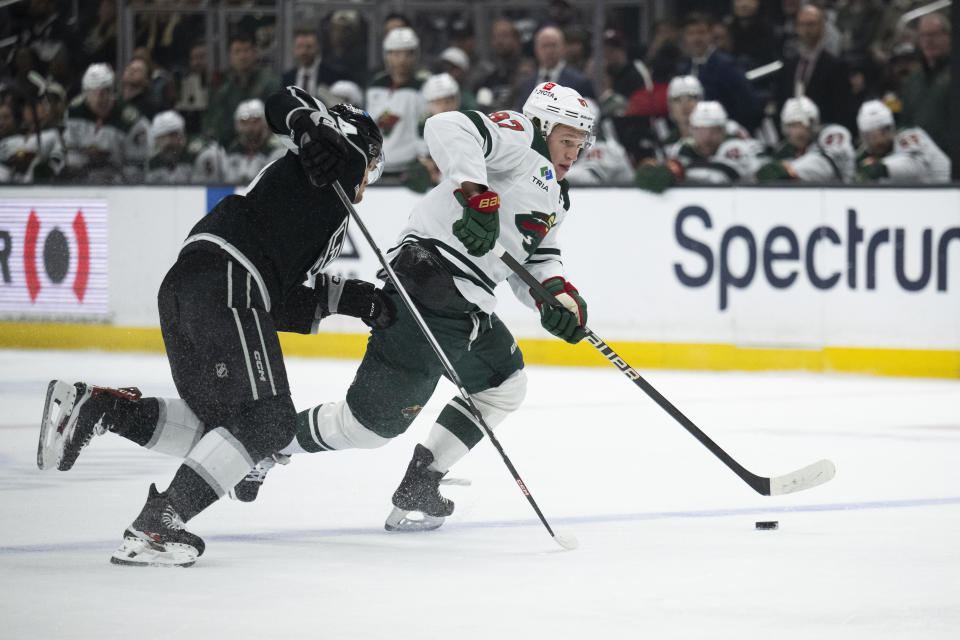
(668, 547)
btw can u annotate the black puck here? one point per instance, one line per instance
(767, 524)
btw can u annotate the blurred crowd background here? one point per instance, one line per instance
(721, 91)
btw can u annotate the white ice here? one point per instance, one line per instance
(667, 549)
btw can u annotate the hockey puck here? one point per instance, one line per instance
(767, 524)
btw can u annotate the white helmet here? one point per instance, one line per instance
(167, 122)
(684, 86)
(249, 109)
(800, 109)
(97, 76)
(347, 91)
(708, 113)
(401, 39)
(551, 104)
(873, 114)
(439, 86)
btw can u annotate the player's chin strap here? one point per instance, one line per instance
(564, 540)
(805, 478)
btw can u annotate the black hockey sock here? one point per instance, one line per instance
(189, 493)
(135, 420)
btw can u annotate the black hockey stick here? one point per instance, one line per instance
(566, 541)
(805, 478)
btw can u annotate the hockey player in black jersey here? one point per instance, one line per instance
(237, 282)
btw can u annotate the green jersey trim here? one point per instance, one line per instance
(477, 121)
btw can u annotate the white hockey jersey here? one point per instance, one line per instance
(106, 151)
(512, 159)
(398, 111)
(201, 162)
(735, 161)
(604, 163)
(917, 158)
(23, 158)
(831, 159)
(241, 166)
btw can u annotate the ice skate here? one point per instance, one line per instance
(417, 503)
(246, 490)
(72, 415)
(157, 538)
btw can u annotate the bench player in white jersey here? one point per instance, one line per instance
(709, 156)
(888, 155)
(683, 95)
(605, 162)
(502, 180)
(177, 159)
(809, 152)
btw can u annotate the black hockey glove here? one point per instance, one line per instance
(323, 152)
(356, 298)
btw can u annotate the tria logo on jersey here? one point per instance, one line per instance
(546, 173)
(53, 257)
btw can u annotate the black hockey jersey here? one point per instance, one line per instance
(283, 229)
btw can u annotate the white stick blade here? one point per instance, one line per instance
(802, 479)
(566, 540)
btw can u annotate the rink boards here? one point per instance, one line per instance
(864, 280)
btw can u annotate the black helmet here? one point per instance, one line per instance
(363, 134)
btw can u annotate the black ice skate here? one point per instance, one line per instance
(157, 538)
(417, 502)
(246, 490)
(72, 414)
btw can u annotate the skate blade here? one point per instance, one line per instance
(61, 397)
(134, 552)
(401, 520)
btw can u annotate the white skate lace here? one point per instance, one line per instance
(259, 471)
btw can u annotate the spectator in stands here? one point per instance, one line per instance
(786, 31)
(254, 145)
(548, 46)
(194, 93)
(808, 152)
(507, 59)
(312, 72)
(753, 39)
(395, 103)
(100, 38)
(395, 20)
(456, 63)
(345, 44)
(926, 98)
(722, 79)
(106, 140)
(135, 87)
(347, 91)
(816, 73)
(576, 50)
(625, 78)
(709, 156)
(888, 155)
(179, 160)
(244, 81)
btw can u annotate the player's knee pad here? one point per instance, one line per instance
(332, 426)
(178, 428)
(497, 403)
(220, 459)
(265, 426)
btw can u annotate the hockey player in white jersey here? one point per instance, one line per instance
(503, 180)
(107, 140)
(254, 147)
(809, 152)
(683, 95)
(29, 155)
(709, 156)
(888, 155)
(394, 101)
(179, 160)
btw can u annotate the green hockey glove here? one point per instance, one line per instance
(479, 227)
(566, 322)
(773, 171)
(872, 170)
(654, 177)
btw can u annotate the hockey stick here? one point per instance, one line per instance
(805, 478)
(566, 541)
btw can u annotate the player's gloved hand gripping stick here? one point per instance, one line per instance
(564, 540)
(805, 478)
